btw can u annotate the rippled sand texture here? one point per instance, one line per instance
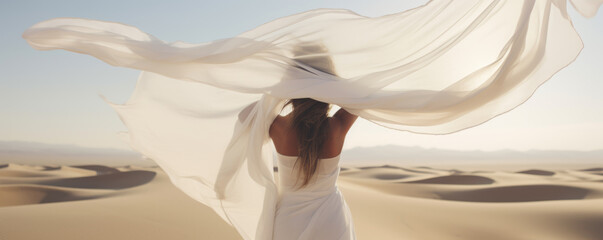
(387, 202)
(428, 203)
(99, 202)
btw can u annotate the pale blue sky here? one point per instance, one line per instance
(52, 96)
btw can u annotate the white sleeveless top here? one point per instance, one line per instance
(317, 211)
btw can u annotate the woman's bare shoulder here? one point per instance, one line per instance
(277, 125)
(345, 119)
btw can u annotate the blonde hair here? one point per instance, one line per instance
(310, 121)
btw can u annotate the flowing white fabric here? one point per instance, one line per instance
(201, 111)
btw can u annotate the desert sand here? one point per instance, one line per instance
(387, 202)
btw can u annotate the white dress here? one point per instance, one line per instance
(317, 211)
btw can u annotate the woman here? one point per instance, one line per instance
(308, 145)
(203, 112)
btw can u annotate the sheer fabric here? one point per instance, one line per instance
(202, 111)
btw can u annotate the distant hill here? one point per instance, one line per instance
(55, 154)
(417, 155)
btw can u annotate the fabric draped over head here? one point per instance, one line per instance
(202, 111)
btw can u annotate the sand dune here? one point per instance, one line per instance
(456, 179)
(525, 193)
(33, 194)
(22, 185)
(117, 180)
(538, 172)
(378, 173)
(387, 202)
(99, 169)
(592, 170)
(456, 204)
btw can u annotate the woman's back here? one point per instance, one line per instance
(285, 137)
(318, 210)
